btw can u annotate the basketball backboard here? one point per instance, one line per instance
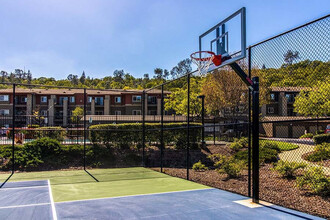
(227, 38)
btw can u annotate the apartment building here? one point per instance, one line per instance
(57, 104)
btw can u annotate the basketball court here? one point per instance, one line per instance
(141, 193)
(125, 193)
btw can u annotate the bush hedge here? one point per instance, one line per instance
(123, 136)
(315, 180)
(321, 138)
(288, 169)
(227, 164)
(199, 166)
(57, 133)
(308, 135)
(41, 154)
(322, 152)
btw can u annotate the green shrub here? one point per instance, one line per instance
(266, 155)
(320, 132)
(308, 135)
(123, 136)
(229, 165)
(33, 126)
(25, 158)
(321, 138)
(218, 160)
(288, 169)
(236, 146)
(233, 168)
(270, 145)
(322, 152)
(280, 146)
(315, 180)
(244, 141)
(199, 166)
(57, 133)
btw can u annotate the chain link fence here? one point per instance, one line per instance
(294, 71)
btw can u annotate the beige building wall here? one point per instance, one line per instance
(107, 105)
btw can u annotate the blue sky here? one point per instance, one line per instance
(55, 38)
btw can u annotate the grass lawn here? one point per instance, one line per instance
(284, 146)
(77, 184)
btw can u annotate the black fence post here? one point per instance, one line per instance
(13, 129)
(214, 130)
(203, 116)
(162, 129)
(249, 126)
(188, 125)
(255, 140)
(143, 127)
(85, 107)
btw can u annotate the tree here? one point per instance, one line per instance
(73, 79)
(290, 56)
(29, 77)
(181, 69)
(4, 75)
(158, 73)
(178, 99)
(314, 101)
(77, 113)
(224, 89)
(82, 78)
(118, 76)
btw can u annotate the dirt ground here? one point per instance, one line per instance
(273, 188)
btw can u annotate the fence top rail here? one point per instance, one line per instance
(68, 87)
(291, 30)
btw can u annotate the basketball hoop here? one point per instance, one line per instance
(203, 60)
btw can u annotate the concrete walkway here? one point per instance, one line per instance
(296, 156)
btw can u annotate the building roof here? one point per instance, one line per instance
(78, 91)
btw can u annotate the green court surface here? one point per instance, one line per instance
(79, 185)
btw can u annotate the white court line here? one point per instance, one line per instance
(24, 187)
(149, 194)
(19, 206)
(52, 201)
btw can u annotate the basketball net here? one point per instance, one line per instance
(203, 60)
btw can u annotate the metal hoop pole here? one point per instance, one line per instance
(162, 130)
(188, 125)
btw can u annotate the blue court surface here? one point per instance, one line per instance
(33, 200)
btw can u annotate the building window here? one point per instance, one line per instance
(24, 99)
(72, 99)
(89, 99)
(4, 98)
(43, 112)
(117, 112)
(62, 99)
(136, 98)
(98, 100)
(274, 97)
(136, 112)
(270, 110)
(289, 97)
(4, 111)
(43, 98)
(118, 99)
(152, 100)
